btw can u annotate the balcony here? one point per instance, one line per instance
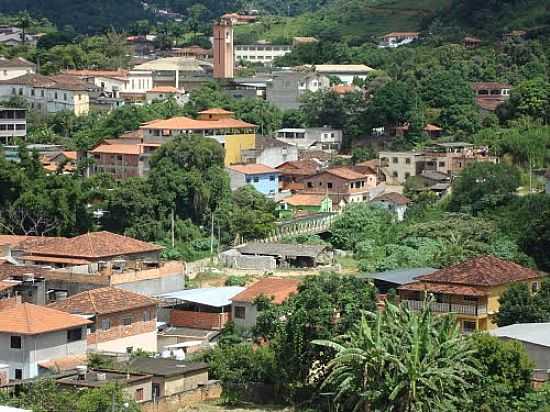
(441, 307)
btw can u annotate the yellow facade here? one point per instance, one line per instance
(81, 103)
(486, 307)
(234, 144)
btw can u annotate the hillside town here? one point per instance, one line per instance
(272, 207)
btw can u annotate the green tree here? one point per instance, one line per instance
(397, 360)
(482, 186)
(517, 305)
(504, 373)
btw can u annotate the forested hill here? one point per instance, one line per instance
(84, 16)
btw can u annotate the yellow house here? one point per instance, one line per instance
(218, 124)
(469, 290)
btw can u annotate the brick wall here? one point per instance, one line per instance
(119, 330)
(178, 402)
(198, 320)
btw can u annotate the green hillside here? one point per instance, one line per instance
(357, 21)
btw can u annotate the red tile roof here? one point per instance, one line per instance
(186, 123)
(29, 319)
(253, 169)
(95, 245)
(392, 197)
(103, 301)
(27, 242)
(490, 86)
(304, 199)
(276, 288)
(345, 173)
(482, 271)
(444, 288)
(116, 148)
(216, 111)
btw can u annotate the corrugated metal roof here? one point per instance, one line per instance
(399, 276)
(536, 333)
(216, 297)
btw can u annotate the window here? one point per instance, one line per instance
(13, 91)
(127, 321)
(16, 342)
(329, 185)
(468, 326)
(41, 93)
(105, 324)
(74, 335)
(256, 179)
(248, 180)
(32, 92)
(395, 174)
(408, 161)
(441, 164)
(19, 374)
(139, 395)
(535, 286)
(147, 316)
(309, 184)
(272, 178)
(20, 127)
(240, 312)
(55, 95)
(407, 175)
(395, 159)
(65, 96)
(20, 92)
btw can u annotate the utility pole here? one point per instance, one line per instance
(212, 238)
(173, 229)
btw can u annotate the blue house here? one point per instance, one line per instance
(263, 178)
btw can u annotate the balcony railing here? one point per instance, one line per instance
(441, 307)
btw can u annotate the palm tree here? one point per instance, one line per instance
(401, 361)
(23, 21)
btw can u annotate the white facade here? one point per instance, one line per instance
(38, 348)
(260, 53)
(244, 314)
(49, 100)
(324, 138)
(8, 73)
(345, 72)
(152, 95)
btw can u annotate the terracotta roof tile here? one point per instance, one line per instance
(103, 301)
(60, 82)
(490, 85)
(216, 111)
(444, 288)
(29, 319)
(186, 123)
(304, 199)
(345, 173)
(95, 245)
(482, 271)
(253, 169)
(392, 197)
(116, 148)
(27, 242)
(276, 288)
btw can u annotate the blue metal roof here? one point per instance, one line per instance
(215, 297)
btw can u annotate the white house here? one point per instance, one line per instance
(320, 138)
(166, 92)
(12, 68)
(49, 94)
(31, 335)
(345, 72)
(396, 39)
(393, 202)
(270, 152)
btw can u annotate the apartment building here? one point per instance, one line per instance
(448, 159)
(49, 94)
(218, 124)
(260, 52)
(286, 88)
(13, 124)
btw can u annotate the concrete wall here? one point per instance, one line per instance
(154, 287)
(146, 386)
(38, 348)
(13, 72)
(181, 401)
(250, 315)
(184, 383)
(276, 156)
(249, 262)
(144, 341)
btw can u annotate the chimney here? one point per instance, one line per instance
(223, 50)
